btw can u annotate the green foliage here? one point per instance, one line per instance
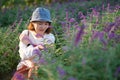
(89, 60)
(8, 52)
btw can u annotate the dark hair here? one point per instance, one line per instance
(31, 27)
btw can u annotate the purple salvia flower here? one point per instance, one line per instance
(108, 7)
(94, 35)
(72, 20)
(118, 38)
(84, 21)
(117, 22)
(101, 38)
(117, 7)
(91, 17)
(67, 16)
(67, 24)
(79, 35)
(37, 51)
(117, 72)
(76, 23)
(19, 76)
(77, 27)
(61, 72)
(94, 12)
(63, 26)
(111, 35)
(103, 7)
(109, 27)
(42, 61)
(72, 78)
(101, 35)
(80, 15)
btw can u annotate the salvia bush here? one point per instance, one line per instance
(90, 51)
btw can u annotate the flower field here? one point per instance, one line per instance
(87, 43)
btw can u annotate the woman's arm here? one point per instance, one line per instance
(24, 37)
(26, 51)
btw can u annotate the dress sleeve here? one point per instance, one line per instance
(25, 32)
(49, 39)
(24, 51)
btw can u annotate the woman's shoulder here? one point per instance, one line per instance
(49, 35)
(24, 32)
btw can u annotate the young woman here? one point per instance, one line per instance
(33, 40)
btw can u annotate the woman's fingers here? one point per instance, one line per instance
(24, 39)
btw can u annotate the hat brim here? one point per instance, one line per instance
(40, 20)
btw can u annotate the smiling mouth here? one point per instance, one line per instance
(41, 29)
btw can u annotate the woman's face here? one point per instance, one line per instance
(40, 26)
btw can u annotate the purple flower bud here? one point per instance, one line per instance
(83, 21)
(42, 61)
(109, 27)
(80, 15)
(63, 24)
(19, 76)
(37, 51)
(72, 20)
(101, 38)
(101, 35)
(117, 7)
(72, 78)
(61, 72)
(94, 12)
(117, 72)
(103, 7)
(94, 35)
(67, 16)
(108, 7)
(79, 35)
(77, 27)
(111, 35)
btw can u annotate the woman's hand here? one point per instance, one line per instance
(41, 47)
(24, 39)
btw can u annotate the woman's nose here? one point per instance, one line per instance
(41, 25)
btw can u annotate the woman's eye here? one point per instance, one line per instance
(46, 23)
(40, 23)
